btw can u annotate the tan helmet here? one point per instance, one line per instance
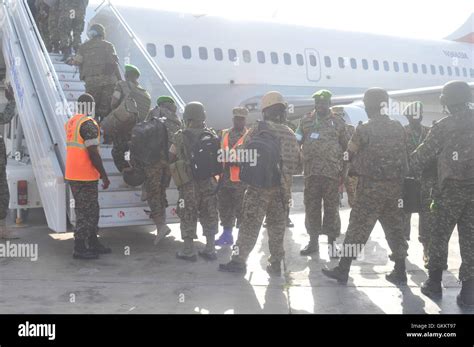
(272, 98)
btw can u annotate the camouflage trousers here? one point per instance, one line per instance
(258, 203)
(157, 179)
(71, 23)
(319, 189)
(350, 183)
(378, 201)
(230, 198)
(454, 206)
(102, 97)
(53, 26)
(4, 192)
(86, 207)
(120, 147)
(43, 27)
(198, 201)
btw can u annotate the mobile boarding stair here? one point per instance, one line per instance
(44, 86)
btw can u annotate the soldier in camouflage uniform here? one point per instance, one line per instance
(5, 117)
(71, 24)
(324, 140)
(269, 202)
(83, 139)
(123, 89)
(378, 153)
(231, 190)
(158, 176)
(42, 20)
(451, 143)
(197, 198)
(416, 134)
(98, 63)
(53, 25)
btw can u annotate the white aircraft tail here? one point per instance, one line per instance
(465, 33)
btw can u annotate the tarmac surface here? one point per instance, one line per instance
(139, 277)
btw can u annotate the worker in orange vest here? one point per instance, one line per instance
(231, 192)
(84, 168)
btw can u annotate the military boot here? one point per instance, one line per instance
(66, 51)
(274, 268)
(311, 247)
(81, 251)
(340, 272)
(233, 266)
(432, 287)
(465, 297)
(209, 252)
(399, 275)
(162, 230)
(187, 253)
(96, 247)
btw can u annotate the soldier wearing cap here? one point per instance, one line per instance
(158, 176)
(128, 88)
(269, 202)
(324, 140)
(416, 134)
(231, 191)
(451, 143)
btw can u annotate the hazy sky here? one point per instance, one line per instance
(412, 18)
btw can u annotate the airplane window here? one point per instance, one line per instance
(456, 69)
(169, 51)
(441, 70)
(203, 53)
(415, 68)
(312, 60)
(299, 59)
(450, 71)
(341, 61)
(327, 61)
(433, 69)
(376, 65)
(405, 67)
(424, 69)
(218, 54)
(186, 52)
(365, 64)
(274, 57)
(151, 49)
(471, 72)
(464, 72)
(353, 63)
(287, 58)
(247, 56)
(386, 66)
(396, 67)
(232, 54)
(261, 57)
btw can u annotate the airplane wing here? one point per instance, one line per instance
(300, 105)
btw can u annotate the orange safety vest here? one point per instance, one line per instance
(234, 169)
(79, 166)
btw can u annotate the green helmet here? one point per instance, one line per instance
(194, 111)
(455, 93)
(99, 29)
(164, 98)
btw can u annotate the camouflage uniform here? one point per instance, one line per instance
(323, 166)
(157, 176)
(53, 25)
(86, 195)
(197, 199)
(350, 182)
(5, 118)
(231, 194)
(380, 161)
(42, 20)
(71, 19)
(98, 61)
(143, 100)
(428, 188)
(451, 142)
(269, 202)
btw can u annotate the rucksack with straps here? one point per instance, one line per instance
(203, 153)
(149, 142)
(266, 171)
(120, 121)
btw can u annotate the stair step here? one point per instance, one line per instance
(65, 68)
(68, 76)
(72, 86)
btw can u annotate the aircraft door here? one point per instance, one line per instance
(313, 64)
